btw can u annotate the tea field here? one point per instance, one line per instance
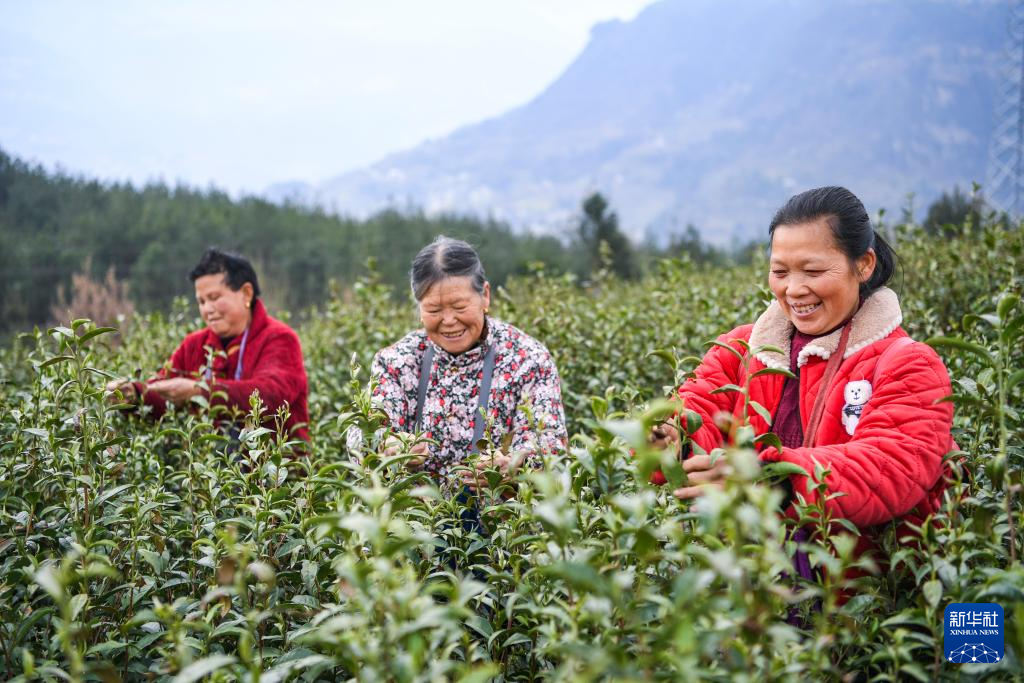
(141, 551)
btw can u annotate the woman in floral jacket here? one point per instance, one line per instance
(438, 380)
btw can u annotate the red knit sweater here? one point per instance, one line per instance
(272, 365)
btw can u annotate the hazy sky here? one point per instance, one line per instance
(242, 94)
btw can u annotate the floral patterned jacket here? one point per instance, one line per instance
(524, 374)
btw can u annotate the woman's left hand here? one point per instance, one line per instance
(506, 464)
(701, 472)
(177, 390)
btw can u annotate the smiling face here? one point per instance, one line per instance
(225, 311)
(453, 313)
(812, 279)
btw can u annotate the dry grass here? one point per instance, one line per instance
(106, 301)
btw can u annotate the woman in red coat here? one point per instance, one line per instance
(241, 351)
(866, 400)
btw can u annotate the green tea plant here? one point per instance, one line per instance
(134, 549)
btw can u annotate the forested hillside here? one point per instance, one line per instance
(52, 224)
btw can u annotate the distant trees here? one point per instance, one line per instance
(73, 243)
(698, 251)
(597, 226)
(53, 226)
(953, 209)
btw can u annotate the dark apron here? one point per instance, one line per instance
(470, 514)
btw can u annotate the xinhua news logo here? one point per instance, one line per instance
(974, 633)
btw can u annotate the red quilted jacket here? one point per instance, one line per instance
(272, 365)
(891, 467)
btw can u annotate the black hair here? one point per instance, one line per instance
(236, 268)
(443, 258)
(851, 228)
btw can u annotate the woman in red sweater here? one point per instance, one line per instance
(241, 351)
(865, 402)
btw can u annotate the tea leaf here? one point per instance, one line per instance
(204, 667)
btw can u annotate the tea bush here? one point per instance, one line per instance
(132, 550)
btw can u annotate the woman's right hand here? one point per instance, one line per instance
(393, 446)
(126, 389)
(664, 435)
(420, 449)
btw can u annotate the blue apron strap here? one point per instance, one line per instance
(425, 366)
(208, 372)
(241, 354)
(483, 399)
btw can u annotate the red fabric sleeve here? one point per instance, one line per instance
(718, 368)
(175, 367)
(278, 375)
(895, 455)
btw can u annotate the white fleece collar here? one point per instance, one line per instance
(878, 316)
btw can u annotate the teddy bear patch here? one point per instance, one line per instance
(856, 394)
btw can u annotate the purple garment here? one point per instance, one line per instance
(802, 568)
(788, 428)
(786, 424)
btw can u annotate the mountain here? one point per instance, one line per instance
(713, 112)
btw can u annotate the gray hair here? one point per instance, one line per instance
(443, 258)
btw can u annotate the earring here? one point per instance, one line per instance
(248, 304)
